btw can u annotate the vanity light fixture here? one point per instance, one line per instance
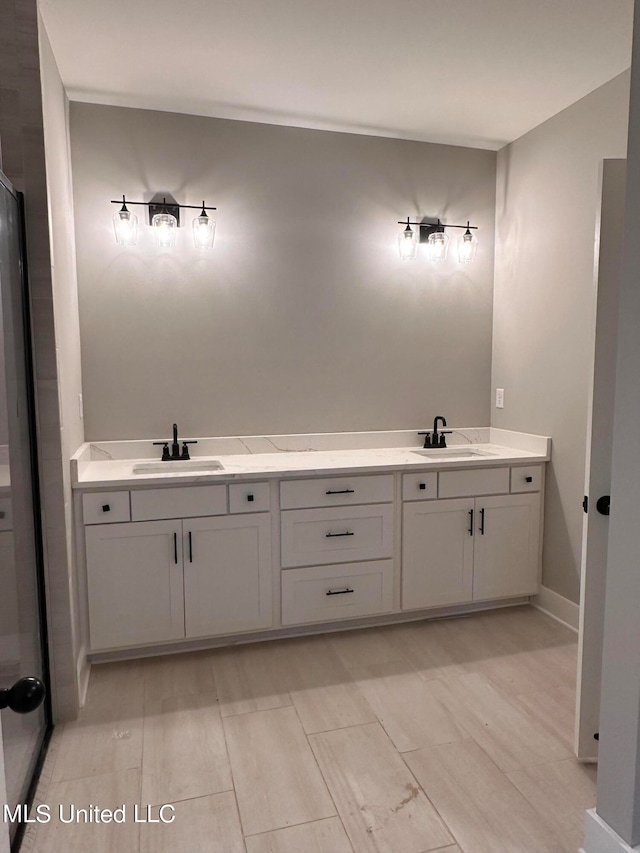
(164, 226)
(437, 241)
(467, 246)
(438, 244)
(164, 218)
(204, 230)
(408, 243)
(125, 224)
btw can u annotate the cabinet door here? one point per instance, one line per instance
(437, 553)
(506, 555)
(134, 574)
(227, 574)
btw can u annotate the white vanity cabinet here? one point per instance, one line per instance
(227, 574)
(337, 557)
(437, 553)
(506, 546)
(135, 585)
(168, 578)
(462, 549)
(170, 563)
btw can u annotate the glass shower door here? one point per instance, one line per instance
(25, 720)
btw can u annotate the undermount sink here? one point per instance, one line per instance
(182, 465)
(452, 453)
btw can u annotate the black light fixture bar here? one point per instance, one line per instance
(436, 225)
(163, 206)
(163, 203)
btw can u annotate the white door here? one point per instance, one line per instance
(437, 553)
(595, 531)
(227, 574)
(135, 582)
(506, 546)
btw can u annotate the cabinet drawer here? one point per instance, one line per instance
(311, 536)
(105, 507)
(480, 481)
(526, 479)
(420, 487)
(187, 502)
(249, 497)
(321, 594)
(336, 491)
(6, 514)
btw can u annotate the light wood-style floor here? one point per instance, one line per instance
(451, 735)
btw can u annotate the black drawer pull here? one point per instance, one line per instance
(340, 492)
(528, 479)
(106, 508)
(331, 535)
(482, 521)
(345, 591)
(470, 522)
(175, 548)
(190, 548)
(422, 486)
(249, 498)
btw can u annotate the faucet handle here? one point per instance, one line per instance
(165, 450)
(427, 439)
(443, 440)
(185, 449)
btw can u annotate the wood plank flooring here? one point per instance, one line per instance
(453, 735)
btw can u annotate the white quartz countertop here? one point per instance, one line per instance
(111, 464)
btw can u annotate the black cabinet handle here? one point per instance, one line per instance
(470, 522)
(250, 498)
(422, 486)
(345, 591)
(190, 548)
(340, 492)
(331, 535)
(528, 479)
(175, 548)
(106, 508)
(482, 521)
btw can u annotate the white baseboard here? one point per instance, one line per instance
(558, 607)
(600, 838)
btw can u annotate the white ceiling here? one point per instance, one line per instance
(467, 72)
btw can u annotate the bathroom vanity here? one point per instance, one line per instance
(297, 534)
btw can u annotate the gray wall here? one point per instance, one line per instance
(302, 318)
(544, 300)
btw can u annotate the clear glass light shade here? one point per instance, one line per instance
(125, 224)
(164, 230)
(438, 245)
(407, 244)
(204, 230)
(467, 247)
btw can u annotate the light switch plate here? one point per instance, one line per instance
(80, 406)
(499, 398)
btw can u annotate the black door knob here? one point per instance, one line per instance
(25, 696)
(603, 505)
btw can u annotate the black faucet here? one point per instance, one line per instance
(438, 439)
(175, 447)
